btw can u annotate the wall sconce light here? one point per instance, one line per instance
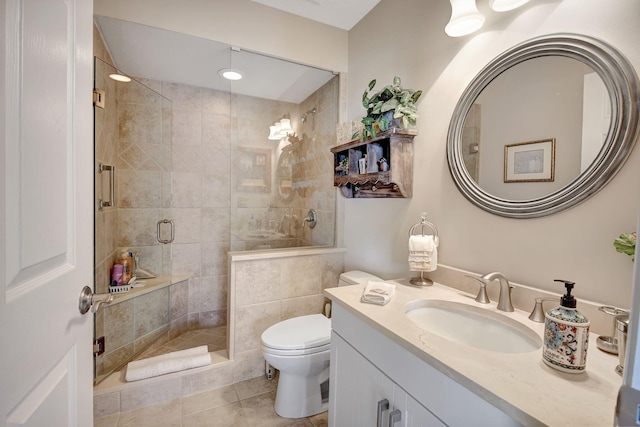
(280, 129)
(465, 18)
(505, 5)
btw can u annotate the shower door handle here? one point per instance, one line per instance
(112, 184)
(158, 231)
(89, 300)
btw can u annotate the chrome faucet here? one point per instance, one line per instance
(504, 299)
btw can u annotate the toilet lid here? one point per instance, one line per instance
(298, 333)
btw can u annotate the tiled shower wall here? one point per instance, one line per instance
(200, 195)
(132, 133)
(312, 167)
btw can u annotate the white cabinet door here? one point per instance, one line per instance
(419, 416)
(46, 211)
(355, 387)
(361, 395)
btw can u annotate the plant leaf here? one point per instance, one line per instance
(365, 99)
(416, 95)
(372, 83)
(389, 105)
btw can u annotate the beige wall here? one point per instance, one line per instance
(574, 245)
(241, 23)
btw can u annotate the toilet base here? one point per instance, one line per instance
(297, 397)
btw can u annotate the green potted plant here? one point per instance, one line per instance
(626, 244)
(393, 106)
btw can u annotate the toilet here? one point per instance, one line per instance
(299, 348)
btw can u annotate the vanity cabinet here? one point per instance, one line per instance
(381, 167)
(366, 396)
(367, 367)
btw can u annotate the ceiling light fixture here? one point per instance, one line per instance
(505, 5)
(465, 18)
(230, 74)
(120, 77)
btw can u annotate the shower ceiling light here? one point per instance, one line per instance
(465, 18)
(505, 5)
(230, 74)
(120, 77)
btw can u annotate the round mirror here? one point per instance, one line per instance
(544, 126)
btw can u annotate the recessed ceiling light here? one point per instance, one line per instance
(230, 74)
(120, 77)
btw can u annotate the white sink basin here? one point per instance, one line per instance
(473, 326)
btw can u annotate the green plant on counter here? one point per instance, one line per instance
(393, 106)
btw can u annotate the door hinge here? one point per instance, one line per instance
(98, 346)
(98, 97)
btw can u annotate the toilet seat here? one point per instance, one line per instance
(298, 336)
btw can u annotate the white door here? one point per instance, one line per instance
(46, 208)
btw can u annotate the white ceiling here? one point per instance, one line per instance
(153, 53)
(337, 13)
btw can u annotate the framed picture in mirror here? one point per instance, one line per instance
(532, 161)
(254, 169)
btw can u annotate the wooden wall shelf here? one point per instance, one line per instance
(395, 146)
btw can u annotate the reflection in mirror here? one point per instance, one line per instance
(284, 174)
(537, 99)
(573, 90)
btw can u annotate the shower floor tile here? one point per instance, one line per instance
(246, 404)
(214, 338)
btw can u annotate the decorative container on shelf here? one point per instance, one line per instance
(379, 167)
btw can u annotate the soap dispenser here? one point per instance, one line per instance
(566, 335)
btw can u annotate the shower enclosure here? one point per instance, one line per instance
(197, 151)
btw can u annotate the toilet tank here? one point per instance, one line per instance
(355, 277)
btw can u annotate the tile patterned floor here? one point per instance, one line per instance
(246, 404)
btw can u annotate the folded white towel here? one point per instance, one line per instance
(423, 253)
(167, 363)
(378, 292)
(422, 243)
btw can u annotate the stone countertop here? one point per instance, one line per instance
(519, 384)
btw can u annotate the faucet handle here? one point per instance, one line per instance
(482, 296)
(537, 314)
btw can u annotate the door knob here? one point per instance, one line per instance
(89, 300)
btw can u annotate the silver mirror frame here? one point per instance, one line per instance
(621, 82)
